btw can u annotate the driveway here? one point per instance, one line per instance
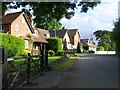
(90, 71)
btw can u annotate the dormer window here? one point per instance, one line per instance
(36, 32)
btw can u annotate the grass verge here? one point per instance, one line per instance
(65, 65)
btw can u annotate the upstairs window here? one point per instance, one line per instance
(17, 27)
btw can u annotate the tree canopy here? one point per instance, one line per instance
(48, 14)
(116, 36)
(105, 39)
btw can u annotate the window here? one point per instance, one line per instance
(23, 20)
(1, 28)
(35, 47)
(26, 44)
(17, 27)
(27, 29)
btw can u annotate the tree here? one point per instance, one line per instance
(78, 48)
(116, 36)
(105, 39)
(100, 48)
(65, 45)
(47, 12)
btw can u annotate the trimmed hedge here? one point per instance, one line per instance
(54, 44)
(14, 45)
(100, 48)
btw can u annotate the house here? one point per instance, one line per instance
(63, 35)
(88, 42)
(74, 37)
(18, 24)
(45, 33)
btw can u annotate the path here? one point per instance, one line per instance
(90, 71)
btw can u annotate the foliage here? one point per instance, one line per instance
(51, 53)
(116, 36)
(105, 39)
(85, 51)
(61, 53)
(47, 12)
(71, 51)
(78, 48)
(100, 48)
(54, 44)
(14, 45)
(65, 45)
(85, 47)
(65, 64)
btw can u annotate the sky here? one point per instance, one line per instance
(101, 17)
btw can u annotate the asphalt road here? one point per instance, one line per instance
(90, 71)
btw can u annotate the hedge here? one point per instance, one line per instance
(100, 48)
(54, 44)
(14, 45)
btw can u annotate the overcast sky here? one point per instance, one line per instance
(100, 18)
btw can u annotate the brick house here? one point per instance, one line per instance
(88, 42)
(74, 37)
(18, 24)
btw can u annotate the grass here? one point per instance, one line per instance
(53, 59)
(65, 65)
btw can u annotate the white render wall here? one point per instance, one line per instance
(105, 52)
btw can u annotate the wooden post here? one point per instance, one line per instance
(46, 59)
(28, 68)
(4, 69)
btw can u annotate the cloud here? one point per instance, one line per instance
(101, 17)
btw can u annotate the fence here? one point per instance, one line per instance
(18, 70)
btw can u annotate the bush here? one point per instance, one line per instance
(85, 47)
(85, 51)
(14, 45)
(51, 53)
(61, 53)
(71, 51)
(100, 48)
(54, 44)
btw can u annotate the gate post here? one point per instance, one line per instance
(4, 72)
(46, 59)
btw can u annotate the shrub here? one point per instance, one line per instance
(85, 47)
(85, 51)
(14, 45)
(78, 48)
(51, 53)
(100, 48)
(71, 51)
(54, 44)
(61, 53)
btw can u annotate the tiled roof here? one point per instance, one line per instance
(85, 42)
(42, 32)
(72, 32)
(59, 33)
(9, 18)
(39, 39)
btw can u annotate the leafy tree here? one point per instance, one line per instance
(78, 48)
(100, 48)
(65, 45)
(105, 39)
(47, 12)
(116, 36)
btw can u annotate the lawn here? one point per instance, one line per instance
(65, 65)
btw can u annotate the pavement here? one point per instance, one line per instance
(90, 71)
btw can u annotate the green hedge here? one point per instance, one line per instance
(100, 48)
(54, 44)
(14, 45)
